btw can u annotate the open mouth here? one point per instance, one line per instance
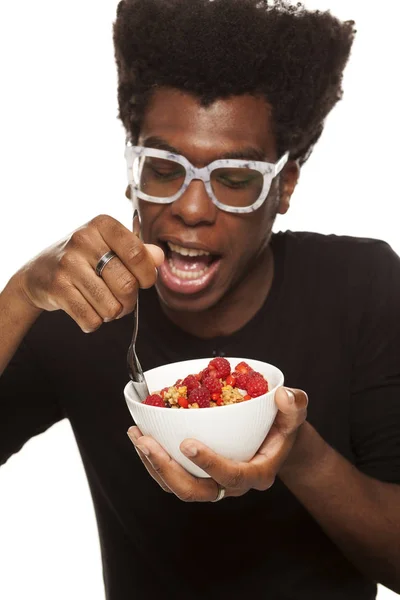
(188, 270)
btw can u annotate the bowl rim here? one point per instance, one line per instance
(257, 398)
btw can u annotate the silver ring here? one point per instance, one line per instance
(221, 493)
(105, 259)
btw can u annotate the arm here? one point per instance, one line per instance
(17, 315)
(63, 278)
(360, 514)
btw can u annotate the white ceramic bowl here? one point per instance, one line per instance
(235, 431)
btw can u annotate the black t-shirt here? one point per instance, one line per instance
(331, 323)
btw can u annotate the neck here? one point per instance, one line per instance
(235, 309)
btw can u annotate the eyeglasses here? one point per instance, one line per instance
(236, 186)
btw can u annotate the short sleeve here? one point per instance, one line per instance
(375, 401)
(27, 405)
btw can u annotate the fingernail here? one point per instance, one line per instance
(133, 434)
(190, 451)
(290, 396)
(143, 450)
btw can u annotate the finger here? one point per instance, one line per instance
(236, 477)
(139, 259)
(270, 458)
(279, 442)
(184, 485)
(152, 472)
(77, 307)
(134, 434)
(292, 409)
(97, 292)
(122, 284)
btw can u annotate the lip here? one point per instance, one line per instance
(187, 286)
(190, 245)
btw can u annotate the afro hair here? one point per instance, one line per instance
(216, 49)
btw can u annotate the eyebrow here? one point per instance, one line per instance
(248, 153)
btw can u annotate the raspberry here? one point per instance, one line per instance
(257, 386)
(230, 380)
(201, 396)
(221, 366)
(213, 385)
(191, 383)
(204, 374)
(241, 380)
(243, 367)
(154, 400)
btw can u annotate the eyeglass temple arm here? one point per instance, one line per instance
(281, 163)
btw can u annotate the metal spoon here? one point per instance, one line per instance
(135, 370)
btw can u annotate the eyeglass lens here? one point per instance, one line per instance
(232, 186)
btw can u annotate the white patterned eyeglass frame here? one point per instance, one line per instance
(268, 170)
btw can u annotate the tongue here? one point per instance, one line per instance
(190, 263)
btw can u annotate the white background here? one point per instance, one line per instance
(61, 152)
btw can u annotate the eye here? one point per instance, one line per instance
(164, 170)
(237, 181)
(165, 174)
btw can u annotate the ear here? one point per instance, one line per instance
(289, 178)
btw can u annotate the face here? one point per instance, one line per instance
(209, 251)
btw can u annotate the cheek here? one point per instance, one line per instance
(245, 234)
(149, 213)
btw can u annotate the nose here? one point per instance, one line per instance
(195, 207)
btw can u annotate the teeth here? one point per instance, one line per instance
(186, 274)
(187, 251)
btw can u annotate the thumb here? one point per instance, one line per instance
(292, 409)
(156, 254)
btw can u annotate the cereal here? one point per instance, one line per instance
(208, 390)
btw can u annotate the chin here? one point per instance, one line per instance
(189, 303)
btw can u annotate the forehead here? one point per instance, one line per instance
(201, 133)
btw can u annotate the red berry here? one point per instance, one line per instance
(220, 402)
(243, 367)
(199, 376)
(247, 397)
(183, 402)
(256, 374)
(241, 380)
(215, 397)
(221, 366)
(230, 380)
(257, 386)
(204, 374)
(200, 396)
(213, 385)
(191, 383)
(154, 400)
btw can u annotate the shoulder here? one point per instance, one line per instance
(361, 257)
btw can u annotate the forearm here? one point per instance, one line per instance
(17, 316)
(360, 515)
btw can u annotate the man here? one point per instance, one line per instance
(315, 513)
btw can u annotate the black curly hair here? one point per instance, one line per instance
(220, 48)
